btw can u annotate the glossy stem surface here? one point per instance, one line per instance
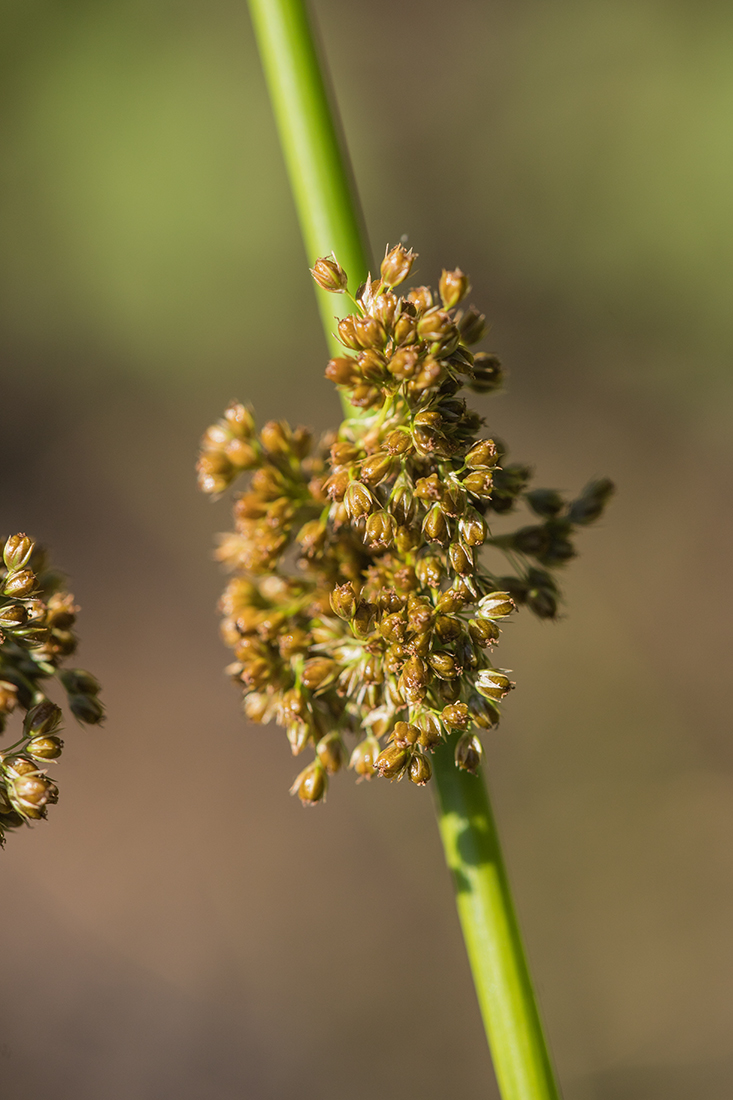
(330, 219)
(491, 932)
(315, 152)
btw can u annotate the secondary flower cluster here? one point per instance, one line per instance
(36, 636)
(359, 606)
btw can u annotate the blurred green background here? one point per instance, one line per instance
(180, 927)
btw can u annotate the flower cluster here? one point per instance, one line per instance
(36, 636)
(359, 605)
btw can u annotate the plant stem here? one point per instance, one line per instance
(493, 941)
(318, 168)
(329, 216)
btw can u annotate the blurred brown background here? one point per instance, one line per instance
(180, 926)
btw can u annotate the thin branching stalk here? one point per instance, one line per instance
(330, 220)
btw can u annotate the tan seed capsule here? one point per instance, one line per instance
(483, 453)
(469, 751)
(461, 558)
(384, 308)
(472, 326)
(495, 605)
(479, 483)
(431, 733)
(456, 716)
(8, 697)
(347, 333)
(493, 683)
(398, 442)
(420, 771)
(329, 274)
(380, 529)
(45, 748)
(369, 332)
(318, 672)
(19, 584)
(364, 758)
(403, 363)
(484, 632)
(392, 762)
(358, 501)
(435, 525)
(414, 678)
(472, 529)
(342, 371)
(310, 786)
(396, 265)
(343, 601)
(330, 752)
(444, 665)
(405, 330)
(454, 286)
(421, 297)
(405, 734)
(448, 628)
(377, 468)
(17, 552)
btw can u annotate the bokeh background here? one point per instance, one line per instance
(180, 926)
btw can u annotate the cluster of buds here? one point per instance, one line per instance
(360, 605)
(36, 636)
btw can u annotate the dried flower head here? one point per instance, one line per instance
(360, 604)
(36, 636)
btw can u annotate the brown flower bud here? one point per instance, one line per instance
(372, 365)
(495, 605)
(472, 326)
(456, 716)
(337, 484)
(479, 483)
(454, 286)
(395, 657)
(276, 438)
(342, 371)
(330, 275)
(358, 501)
(330, 751)
(420, 770)
(493, 683)
(405, 330)
(472, 528)
(435, 326)
(393, 627)
(384, 308)
(429, 488)
(461, 558)
(405, 734)
(448, 628)
(369, 332)
(421, 297)
(444, 665)
(483, 453)
(392, 762)
(347, 333)
(319, 672)
(484, 712)
(19, 584)
(435, 526)
(343, 601)
(429, 376)
(310, 786)
(42, 719)
(403, 363)
(364, 757)
(396, 265)
(17, 552)
(366, 397)
(469, 751)
(377, 468)
(414, 678)
(431, 733)
(363, 619)
(430, 571)
(45, 748)
(373, 671)
(484, 632)
(380, 529)
(239, 419)
(398, 442)
(420, 614)
(12, 616)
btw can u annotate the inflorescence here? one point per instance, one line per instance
(36, 636)
(359, 605)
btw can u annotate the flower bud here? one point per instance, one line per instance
(342, 371)
(405, 734)
(319, 672)
(369, 332)
(495, 605)
(377, 468)
(405, 330)
(545, 502)
(430, 571)
(472, 528)
(403, 363)
(396, 265)
(310, 786)
(402, 505)
(87, 709)
(448, 628)
(479, 483)
(364, 757)
(430, 732)
(19, 584)
(483, 632)
(420, 770)
(372, 365)
(380, 529)
(337, 484)
(398, 442)
(413, 682)
(343, 601)
(444, 665)
(493, 683)
(12, 616)
(483, 453)
(330, 751)
(435, 326)
(392, 762)
(347, 333)
(384, 308)
(472, 326)
(239, 419)
(42, 719)
(363, 620)
(429, 488)
(456, 716)
(461, 558)
(358, 501)
(80, 681)
(277, 438)
(454, 286)
(366, 397)
(420, 614)
(393, 627)
(421, 298)
(435, 525)
(330, 275)
(469, 751)
(45, 748)
(17, 552)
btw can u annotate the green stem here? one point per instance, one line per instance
(330, 221)
(320, 176)
(493, 940)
